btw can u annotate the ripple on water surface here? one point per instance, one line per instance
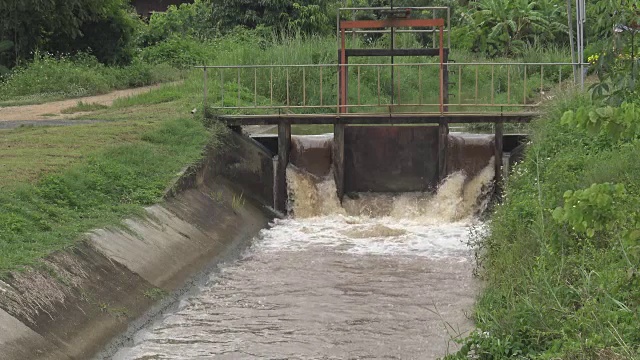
(327, 285)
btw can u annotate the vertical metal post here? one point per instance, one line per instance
(343, 74)
(222, 85)
(206, 90)
(379, 101)
(524, 87)
(541, 80)
(459, 84)
(321, 86)
(433, 34)
(420, 82)
(476, 96)
(448, 27)
(393, 45)
(573, 50)
(492, 85)
(358, 84)
(508, 84)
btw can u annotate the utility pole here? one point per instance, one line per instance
(573, 50)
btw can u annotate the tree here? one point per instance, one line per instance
(503, 27)
(307, 16)
(37, 24)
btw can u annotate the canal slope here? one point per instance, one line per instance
(79, 299)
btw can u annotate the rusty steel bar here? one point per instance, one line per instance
(304, 87)
(376, 24)
(238, 101)
(271, 85)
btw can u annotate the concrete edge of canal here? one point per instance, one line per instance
(89, 299)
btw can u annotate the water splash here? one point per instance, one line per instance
(457, 198)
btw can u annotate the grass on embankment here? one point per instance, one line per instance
(551, 290)
(56, 183)
(49, 79)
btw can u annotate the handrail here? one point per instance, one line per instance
(387, 64)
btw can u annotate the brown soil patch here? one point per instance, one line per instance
(53, 110)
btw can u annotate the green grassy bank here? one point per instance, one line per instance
(563, 283)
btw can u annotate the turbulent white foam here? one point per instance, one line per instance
(371, 236)
(416, 224)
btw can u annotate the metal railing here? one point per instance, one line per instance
(472, 87)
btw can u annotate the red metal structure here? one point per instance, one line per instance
(391, 23)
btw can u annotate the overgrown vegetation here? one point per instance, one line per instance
(561, 260)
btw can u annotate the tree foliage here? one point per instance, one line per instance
(306, 16)
(506, 27)
(192, 20)
(46, 24)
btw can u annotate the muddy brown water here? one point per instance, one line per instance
(377, 277)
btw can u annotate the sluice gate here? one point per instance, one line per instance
(391, 120)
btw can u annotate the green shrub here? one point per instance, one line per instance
(187, 20)
(563, 283)
(179, 52)
(48, 77)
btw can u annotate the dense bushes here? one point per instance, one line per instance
(561, 259)
(79, 75)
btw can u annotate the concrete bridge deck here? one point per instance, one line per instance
(377, 118)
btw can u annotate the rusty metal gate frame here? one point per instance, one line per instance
(390, 23)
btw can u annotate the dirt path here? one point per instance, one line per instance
(52, 110)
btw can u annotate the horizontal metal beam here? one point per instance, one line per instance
(376, 24)
(394, 52)
(375, 119)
